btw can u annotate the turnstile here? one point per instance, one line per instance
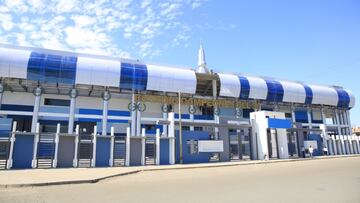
(119, 155)
(4, 151)
(45, 150)
(150, 151)
(85, 150)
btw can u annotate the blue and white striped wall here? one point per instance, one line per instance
(70, 68)
(248, 87)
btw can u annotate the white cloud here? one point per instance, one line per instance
(118, 28)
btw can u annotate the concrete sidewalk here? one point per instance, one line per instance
(44, 177)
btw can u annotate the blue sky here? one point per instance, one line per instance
(311, 41)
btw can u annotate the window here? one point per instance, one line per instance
(198, 128)
(56, 102)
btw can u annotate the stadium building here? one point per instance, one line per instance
(63, 109)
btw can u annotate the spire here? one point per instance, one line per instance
(201, 61)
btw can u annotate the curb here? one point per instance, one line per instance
(179, 167)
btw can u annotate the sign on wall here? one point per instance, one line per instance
(210, 146)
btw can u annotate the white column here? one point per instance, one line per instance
(192, 118)
(127, 151)
(324, 130)
(133, 116)
(157, 144)
(36, 141)
(171, 136)
(1, 93)
(106, 97)
(56, 145)
(93, 160)
(143, 146)
(76, 140)
(73, 94)
(342, 144)
(293, 118)
(112, 142)
(35, 118)
(138, 123)
(334, 145)
(352, 151)
(309, 118)
(216, 117)
(337, 121)
(165, 127)
(357, 143)
(12, 142)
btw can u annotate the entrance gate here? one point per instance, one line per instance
(46, 150)
(85, 150)
(119, 151)
(23, 150)
(4, 151)
(66, 150)
(150, 151)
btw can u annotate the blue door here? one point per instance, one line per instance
(102, 152)
(23, 151)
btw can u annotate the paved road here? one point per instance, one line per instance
(329, 180)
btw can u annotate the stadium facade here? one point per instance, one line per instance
(63, 109)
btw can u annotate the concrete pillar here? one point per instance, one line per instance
(1, 93)
(56, 145)
(76, 140)
(293, 118)
(138, 123)
(143, 144)
(73, 94)
(93, 160)
(171, 136)
(133, 115)
(216, 114)
(127, 150)
(12, 142)
(324, 130)
(192, 111)
(334, 145)
(106, 98)
(157, 145)
(309, 118)
(342, 144)
(352, 151)
(35, 146)
(165, 117)
(112, 143)
(357, 143)
(37, 92)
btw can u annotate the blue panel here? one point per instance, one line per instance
(46, 150)
(309, 94)
(246, 112)
(35, 70)
(317, 138)
(5, 127)
(275, 91)
(279, 123)
(245, 88)
(51, 68)
(23, 151)
(102, 152)
(99, 112)
(183, 116)
(68, 70)
(301, 116)
(344, 98)
(201, 157)
(133, 76)
(203, 117)
(12, 107)
(164, 152)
